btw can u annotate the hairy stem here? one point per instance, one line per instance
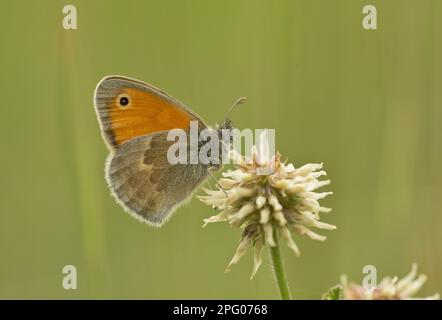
(278, 271)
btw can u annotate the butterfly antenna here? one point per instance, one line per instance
(217, 183)
(240, 100)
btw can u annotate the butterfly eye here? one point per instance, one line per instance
(123, 100)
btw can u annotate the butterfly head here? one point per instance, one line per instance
(227, 124)
(225, 137)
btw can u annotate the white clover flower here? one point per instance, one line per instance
(269, 207)
(388, 289)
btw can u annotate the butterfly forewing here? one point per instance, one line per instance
(128, 108)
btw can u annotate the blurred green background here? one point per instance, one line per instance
(366, 103)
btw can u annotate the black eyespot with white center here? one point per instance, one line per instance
(123, 100)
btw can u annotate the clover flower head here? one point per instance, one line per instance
(388, 289)
(269, 199)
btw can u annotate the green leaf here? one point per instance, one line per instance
(334, 293)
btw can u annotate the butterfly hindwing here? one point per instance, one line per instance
(145, 183)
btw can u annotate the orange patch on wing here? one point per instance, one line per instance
(147, 113)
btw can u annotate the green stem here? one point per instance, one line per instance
(278, 271)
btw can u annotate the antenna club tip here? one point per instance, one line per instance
(241, 100)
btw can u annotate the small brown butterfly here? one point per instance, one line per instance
(135, 119)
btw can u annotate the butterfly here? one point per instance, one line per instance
(135, 119)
